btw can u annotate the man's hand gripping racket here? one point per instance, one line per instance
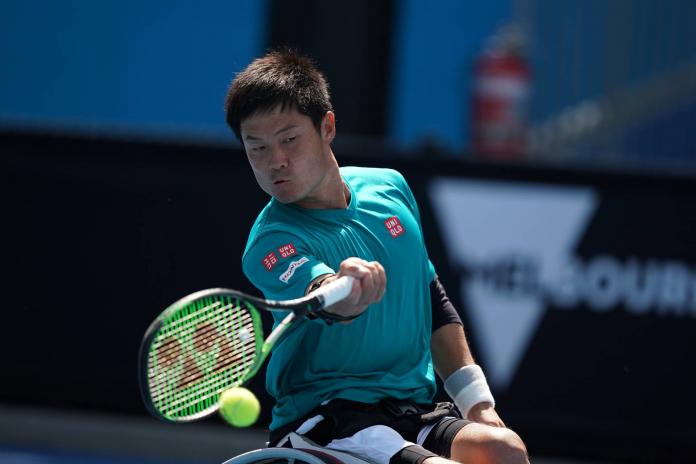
(213, 340)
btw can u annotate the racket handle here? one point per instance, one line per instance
(336, 291)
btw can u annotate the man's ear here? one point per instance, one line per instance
(328, 127)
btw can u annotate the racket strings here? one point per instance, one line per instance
(209, 347)
(179, 393)
(228, 355)
(203, 340)
(170, 335)
(193, 311)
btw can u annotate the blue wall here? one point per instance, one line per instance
(163, 67)
(155, 65)
(434, 47)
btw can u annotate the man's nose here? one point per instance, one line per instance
(279, 158)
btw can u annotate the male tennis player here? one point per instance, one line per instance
(365, 385)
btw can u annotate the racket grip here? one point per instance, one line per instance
(336, 291)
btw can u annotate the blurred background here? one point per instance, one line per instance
(550, 144)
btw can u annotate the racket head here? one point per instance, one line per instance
(198, 347)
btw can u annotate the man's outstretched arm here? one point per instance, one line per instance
(454, 363)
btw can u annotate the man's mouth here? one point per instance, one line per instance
(277, 182)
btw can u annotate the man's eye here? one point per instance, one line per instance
(289, 139)
(259, 148)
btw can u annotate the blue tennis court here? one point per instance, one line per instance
(15, 455)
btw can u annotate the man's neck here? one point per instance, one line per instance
(333, 194)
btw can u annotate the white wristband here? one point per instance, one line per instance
(468, 387)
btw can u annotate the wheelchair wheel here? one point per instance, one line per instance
(283, 456)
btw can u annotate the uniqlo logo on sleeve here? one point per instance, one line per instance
(394, 226)
(287, 250)
(269, 261)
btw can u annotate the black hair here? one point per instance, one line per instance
(282, 78)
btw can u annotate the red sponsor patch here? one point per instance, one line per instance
(287, 250)
(269, 261)
(394, 226)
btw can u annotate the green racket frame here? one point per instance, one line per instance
(171, 395)
(212, 340)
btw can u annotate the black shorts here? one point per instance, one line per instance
(392, 431)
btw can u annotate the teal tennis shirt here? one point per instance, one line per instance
(383, 353)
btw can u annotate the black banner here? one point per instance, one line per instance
(577, 288)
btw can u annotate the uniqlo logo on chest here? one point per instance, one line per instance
(394, 226)
(287, 250)
(269, 261)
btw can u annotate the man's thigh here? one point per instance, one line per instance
(439, 437)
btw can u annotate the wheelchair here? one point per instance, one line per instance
(304, 451)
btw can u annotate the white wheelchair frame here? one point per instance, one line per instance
(305, 452)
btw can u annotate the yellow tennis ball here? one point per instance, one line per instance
(239, 407)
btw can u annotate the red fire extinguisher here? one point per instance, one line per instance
(502, 86)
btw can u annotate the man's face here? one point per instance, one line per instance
(289, 157)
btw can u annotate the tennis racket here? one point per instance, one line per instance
(213, 340)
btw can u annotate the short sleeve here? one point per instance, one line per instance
(413, 205)
(281, 266)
